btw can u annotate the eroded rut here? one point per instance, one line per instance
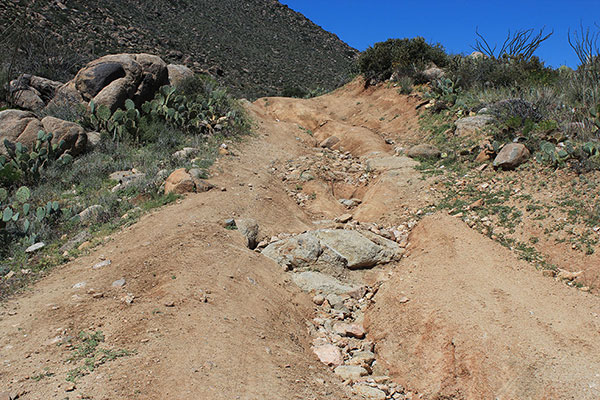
(352, 294)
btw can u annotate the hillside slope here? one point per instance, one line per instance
(256, 47)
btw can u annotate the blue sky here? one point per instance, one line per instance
(360, 23)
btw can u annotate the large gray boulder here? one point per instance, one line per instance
(112, 79)
(333, 249)
(511, 156)
(356, 249)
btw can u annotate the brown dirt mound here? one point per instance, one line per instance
(480, 324)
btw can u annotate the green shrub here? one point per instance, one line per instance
(407, 57)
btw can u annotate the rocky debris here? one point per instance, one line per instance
(333, 166)
(119, 283)
(112, 79)
(101, 264)
(23, 127)
(315, 281)
(426, 151)
(473, 126)
(369, 392)
(249, 229)
(35, 247)
(511, 156)
(32, 92)
(90, 213)
(178, 73)
(181, 181)
(350, 330)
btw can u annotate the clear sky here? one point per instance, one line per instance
(360, 23)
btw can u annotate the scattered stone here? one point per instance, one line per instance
(350, 372)
(318, 299)
(70, 387)
(9, 275)
(369, 392)
(35, 247)
(119, 283)
(249, 229)
(403, 300)
(128, 298)
(101, 264)
(362, 358)
(329, 354)
(426, 151)
(350, 330)
(511, 156)
(79, 285)
(343, 218)
(169, 303)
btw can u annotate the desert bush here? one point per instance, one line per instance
(407, 57)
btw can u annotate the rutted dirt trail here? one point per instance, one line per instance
(453, 315)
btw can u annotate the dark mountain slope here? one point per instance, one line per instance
(257, 47)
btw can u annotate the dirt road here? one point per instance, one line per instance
(200, 316)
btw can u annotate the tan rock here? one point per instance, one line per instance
(329, 354)
(329, 142)
(180, 182)
(73, 134)
(511, 156)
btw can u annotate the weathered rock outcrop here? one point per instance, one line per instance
(23, 127)
(112, 79)
(32, 92)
